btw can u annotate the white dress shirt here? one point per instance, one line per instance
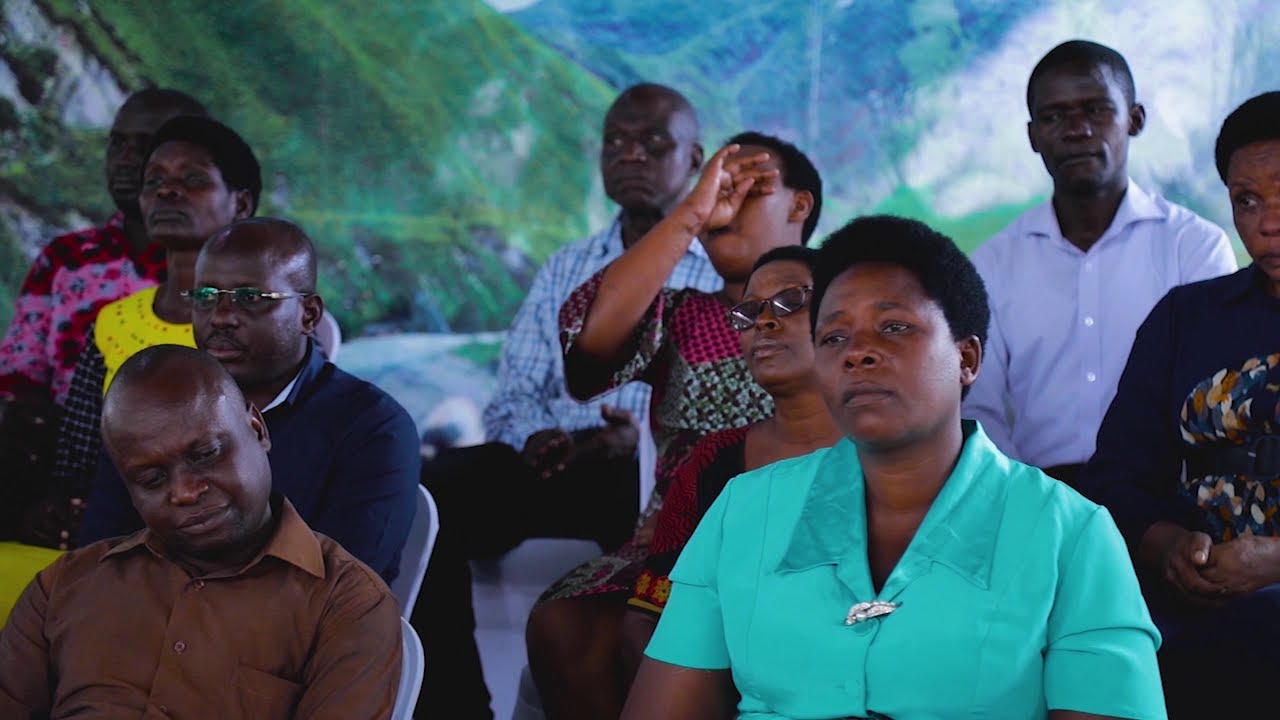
(1063, 320)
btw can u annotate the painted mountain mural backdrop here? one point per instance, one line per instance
(439, 150)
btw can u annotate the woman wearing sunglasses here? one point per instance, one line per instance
(911, 571)
(773, 323)
(755, 194)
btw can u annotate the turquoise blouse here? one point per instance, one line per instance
(1017, 596)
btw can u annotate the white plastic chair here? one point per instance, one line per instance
(417, 552)
(647, 454)
(411, 669)
(329, 335)
(528, 705)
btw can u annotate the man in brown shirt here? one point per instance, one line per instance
(226, 606)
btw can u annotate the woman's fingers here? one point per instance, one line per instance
(715, 178)
(746, 160)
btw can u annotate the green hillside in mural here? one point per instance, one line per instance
(435, 151)
(850, 105)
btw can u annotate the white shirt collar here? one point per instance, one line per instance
(1137, 205)
(284, 394)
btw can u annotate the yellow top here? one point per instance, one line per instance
(130, 325)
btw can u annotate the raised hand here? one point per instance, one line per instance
(727, 180)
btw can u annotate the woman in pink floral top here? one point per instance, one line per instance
(73, 277)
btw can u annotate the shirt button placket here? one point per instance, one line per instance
(856, 685)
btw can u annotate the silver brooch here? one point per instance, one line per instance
(867, 610)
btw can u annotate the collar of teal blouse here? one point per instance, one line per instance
(959, 530)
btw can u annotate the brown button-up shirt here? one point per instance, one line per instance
(117, 630)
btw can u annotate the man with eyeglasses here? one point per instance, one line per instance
(342, 451)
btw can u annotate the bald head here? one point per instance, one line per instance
(170, 101)
(649, 153)
(161, 376)
(272, 242)
(646, 96)
(193, 456)
(261, 338)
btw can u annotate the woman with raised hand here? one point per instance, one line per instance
(755, 194)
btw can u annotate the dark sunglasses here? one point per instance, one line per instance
(743, 316)
(206, 298)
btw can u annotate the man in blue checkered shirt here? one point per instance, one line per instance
(552, 466)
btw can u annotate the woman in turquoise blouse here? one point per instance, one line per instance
(912, 571)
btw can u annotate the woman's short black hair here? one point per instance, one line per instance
(943, 269)
(797, 172)
(1257, 120)
(229, 151)
(798, 253)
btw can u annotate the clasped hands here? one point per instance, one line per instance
(1210, 574)
(550, 451)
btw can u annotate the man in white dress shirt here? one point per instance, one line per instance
(1071, 280)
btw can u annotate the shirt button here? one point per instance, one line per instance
(179, 647)
(1088, 322)
(199, 584)
(1090, 377)
(1088, 265)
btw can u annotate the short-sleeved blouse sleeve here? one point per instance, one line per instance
(691, 631)
(1101, 655)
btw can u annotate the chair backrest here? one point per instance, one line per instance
(411, 669)
(648, 457)
(416, 552)
(329, 335)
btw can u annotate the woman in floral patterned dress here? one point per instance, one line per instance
(755, 194)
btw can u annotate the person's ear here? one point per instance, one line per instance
(696, 156)
(1137, 119)
(970, 359)
(312, 311)
(244, 204)
(259, 427)
(1031, 137)
(801, 206)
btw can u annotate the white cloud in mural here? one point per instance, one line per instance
(506, 6)
(975, 153)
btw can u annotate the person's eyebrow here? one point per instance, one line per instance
(831, 316)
